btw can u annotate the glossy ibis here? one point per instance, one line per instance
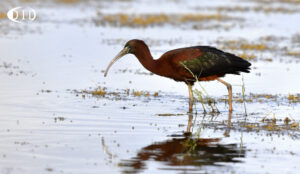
(186, 64)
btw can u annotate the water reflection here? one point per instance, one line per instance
(185, 150)
(227, 130)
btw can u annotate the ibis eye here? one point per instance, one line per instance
(127, 48)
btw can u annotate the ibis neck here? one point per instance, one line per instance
(146, 59)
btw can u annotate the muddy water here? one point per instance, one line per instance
(48, 125)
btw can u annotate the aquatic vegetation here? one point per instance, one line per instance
(67, 1)
(247, 56)
(264, 98)
(243, 45)
(137, 93)
(3, 16)
(293, 98)
(202, 95)
(250, 50)
(135, 20)
(199, 94)
(190, 145)
(292, 2)
(201, 17)
(150, 41)
(243, 94)
(169, 114)
(208, 103)
(257, 9)
(124, 94)
(155, 94)
(99, 91)
(293, 53)
(144, 20)
(140, 93)
(248, 46)
(273, 124)
(12, 69)
(59, 119)
(254, 8)
(46, 91)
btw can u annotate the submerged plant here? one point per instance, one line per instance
(203, 95)
(243, 93)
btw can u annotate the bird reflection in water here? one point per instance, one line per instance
(185, 151)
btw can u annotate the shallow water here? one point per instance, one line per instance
(48, 125)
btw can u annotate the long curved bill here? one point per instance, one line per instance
(121, 54)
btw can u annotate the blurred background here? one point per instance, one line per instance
(52, 121)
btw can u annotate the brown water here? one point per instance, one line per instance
(48, 125)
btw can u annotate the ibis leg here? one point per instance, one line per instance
(188, 129)
(227, 131)
(191, 100)
(229, 88)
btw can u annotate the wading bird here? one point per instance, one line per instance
(188, 64)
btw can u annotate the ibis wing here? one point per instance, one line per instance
(215, 62)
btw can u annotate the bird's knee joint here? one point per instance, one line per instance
(229, 87)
